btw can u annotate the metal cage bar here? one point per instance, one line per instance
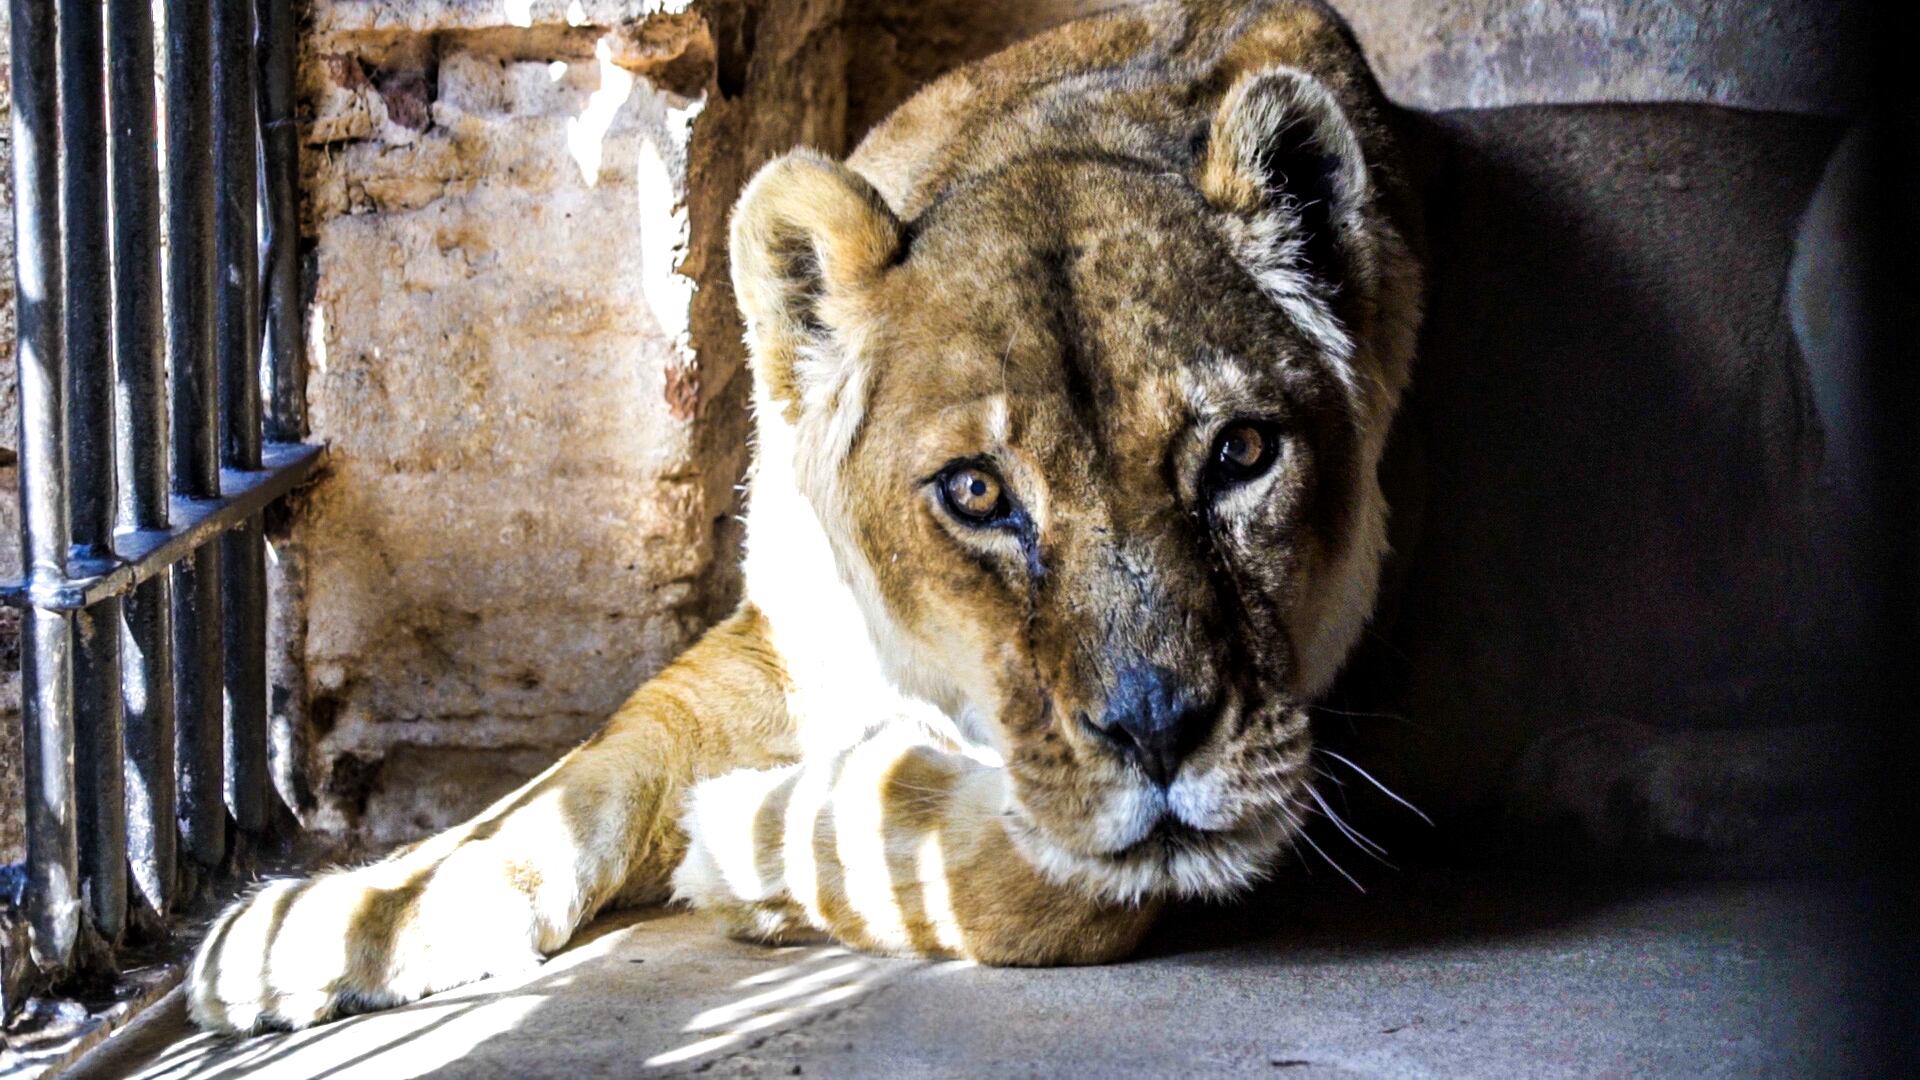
(237, 350)
(145, 466)
(286, 346)
(140, 432)
(99, 769)
(53, 886)
(195, 395)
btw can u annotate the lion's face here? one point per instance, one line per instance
(1098, 469)
(1105, 492)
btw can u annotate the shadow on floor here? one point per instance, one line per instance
(1386, 910)
(1427, 972)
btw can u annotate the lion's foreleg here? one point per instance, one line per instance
(500, 891)
(896, 846)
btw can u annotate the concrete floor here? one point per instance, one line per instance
(1438, 974)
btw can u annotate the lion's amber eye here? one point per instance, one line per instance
(974, 494)
(1244, 450)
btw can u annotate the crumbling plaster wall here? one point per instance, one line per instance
(527, 369)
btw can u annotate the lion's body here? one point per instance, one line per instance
(1063, 274)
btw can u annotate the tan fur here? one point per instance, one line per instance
(1079, 262)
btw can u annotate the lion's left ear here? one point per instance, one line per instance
(1282, 153)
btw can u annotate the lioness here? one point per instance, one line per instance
(1071, 385)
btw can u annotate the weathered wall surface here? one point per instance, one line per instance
(526, 368)
(1443, 54)
(1780, 55)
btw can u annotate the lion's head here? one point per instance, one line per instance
(1093, 442)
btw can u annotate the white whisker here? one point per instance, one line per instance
(1354, 835)
(1384, 788)
(1293, 838)
(1341, 869)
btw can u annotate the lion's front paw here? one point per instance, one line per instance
(893, 846)
(734, 867)
(296, 953)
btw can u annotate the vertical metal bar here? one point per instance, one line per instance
(236, 224)
(286, 347)
(53, 886)
(243, 561)
(46, 699)
(200, 738)
(89, 312)
(237, 315)
(146, 690)
(99, 768)
(199, 720)
(285, 356)
(141, 430)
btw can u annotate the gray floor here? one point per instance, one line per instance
(1432, 975)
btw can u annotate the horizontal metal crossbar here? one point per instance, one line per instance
(145, 553)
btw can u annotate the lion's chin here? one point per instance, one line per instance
(1172, 861)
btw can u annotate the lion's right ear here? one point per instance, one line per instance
(809, 238)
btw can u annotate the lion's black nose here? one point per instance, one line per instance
(1155, 718)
